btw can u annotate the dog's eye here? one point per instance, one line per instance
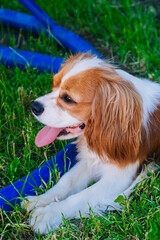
(67, 99)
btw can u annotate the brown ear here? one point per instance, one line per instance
(114, 125)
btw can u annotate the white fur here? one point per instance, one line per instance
(148, 90)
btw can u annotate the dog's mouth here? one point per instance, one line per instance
(48, 134)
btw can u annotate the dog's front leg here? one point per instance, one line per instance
(99, 196)
(72, 182)
(45, 219)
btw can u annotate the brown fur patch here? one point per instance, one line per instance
(114, 126)
(56, 81)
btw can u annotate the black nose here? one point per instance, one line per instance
(37, 108)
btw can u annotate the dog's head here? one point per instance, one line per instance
(88, 96)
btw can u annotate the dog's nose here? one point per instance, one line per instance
(37, 108)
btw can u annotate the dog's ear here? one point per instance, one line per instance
(114, 125)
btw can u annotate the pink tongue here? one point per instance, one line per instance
(47, 135)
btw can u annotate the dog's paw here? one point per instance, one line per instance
(46, 219)
(31, 202)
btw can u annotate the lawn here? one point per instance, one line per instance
(128, 33)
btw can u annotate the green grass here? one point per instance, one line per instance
(126, 32)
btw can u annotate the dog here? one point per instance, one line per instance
(115, 118)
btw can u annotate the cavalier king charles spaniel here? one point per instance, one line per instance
(116, 120)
